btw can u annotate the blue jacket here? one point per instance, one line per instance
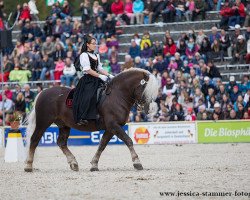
(134, 51)
(138, 6)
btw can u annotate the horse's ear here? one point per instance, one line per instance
(146, 76)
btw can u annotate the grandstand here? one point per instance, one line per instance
(175, 78)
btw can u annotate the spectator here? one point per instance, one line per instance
(148, 12)
(190, 5)
(68, 73)
(25, 14)
(239, 15)
(66, 10)
(177, 113)
(248, 52)
(33, 10)
(29, 97)
(99, 29)
(6, 107)
(170, 49)
(115, 67)
(168, 14)
(170, 87)
(146, 53)
(138, 7)
(117, 8)
(20, 104)
(128, 9)
(145, 38)
(47, 68)
(86, 14)
(226, 12)
(48, 47)
(199, 9)
(240, 51)
(190, 115)
(160, 64)
(218, 111)
(109, 26)
(234, 94)
(232, 115)
(59, 67)
(134, 49)
(159, 6)
(67, 29)
(106, 8)
(157, 49)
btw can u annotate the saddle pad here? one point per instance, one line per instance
(69, 99)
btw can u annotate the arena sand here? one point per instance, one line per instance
(167, 168)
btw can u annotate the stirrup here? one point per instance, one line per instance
(82, 122)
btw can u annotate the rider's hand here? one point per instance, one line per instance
(103, 77)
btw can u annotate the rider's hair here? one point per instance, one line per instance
(86, 40)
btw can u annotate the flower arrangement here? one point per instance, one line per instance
(15, 120)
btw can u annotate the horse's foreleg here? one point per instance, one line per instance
(103, 143)
(121, 134)
(62, 143)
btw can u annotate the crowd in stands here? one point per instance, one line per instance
(190, 84)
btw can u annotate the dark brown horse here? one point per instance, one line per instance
(127, 88)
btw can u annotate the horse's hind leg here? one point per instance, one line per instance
(35, 138)
(104, 141)
(62, 143)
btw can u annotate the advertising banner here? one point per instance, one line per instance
(76, 137)
(1, 137)
(223, 131)
(163, 133)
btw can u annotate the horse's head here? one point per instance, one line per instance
(141, 86)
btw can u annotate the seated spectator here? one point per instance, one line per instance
(27, 32)
(8, 66)
(48, 67)
(29, 97)
(109, 26)
(157, 49)
(201, 35)
(170, 49)
(176, 114)
(145, 38)
(190, 6)
(48, 47)
(20, 104)
(246, 116)
(224, 103)
(226, 12)
(159, 6)
(59, 67)
(128, 63)
(232, 115)
(181, 48)
(214, 35)
(148, 12)
(106, 66)
(191, 49)
(199, 9)
(59, 52)
(134, 49)
(146, 53)
(68, 73)
(25, 14)
(96, 9)
(231, 84)
(103, 49)
(86, 14)
(138, 7)
(218, 111)
(170, 87)
(99, 30)
(239, 100)
(180, 9)
(245, 84)
(225, 43)
(19, 75)
(239, 15)
(112, 42)
(213, 72)
(190, 115)
(117, 8)
(33, 10)
(160, 65)
(66, 10)
(168, 13)
(240, 51)
(67, 29)
(234, 94)
(57, 29)
(128, 10)
(115, 67)
(6, 107)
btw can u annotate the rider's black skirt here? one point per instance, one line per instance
(85, 98)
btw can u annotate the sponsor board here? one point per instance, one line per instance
(223, 131)
(76, 138)
(1, 137)
(163, 133)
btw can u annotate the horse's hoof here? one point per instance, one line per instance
(138, 166)
(74, 167)
(93, 169)
(28, 169)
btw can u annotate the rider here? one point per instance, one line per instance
(85, 95)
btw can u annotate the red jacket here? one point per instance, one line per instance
(117, 8)
(241, 10)
(226, 12)
(169, 49)
(25, 14)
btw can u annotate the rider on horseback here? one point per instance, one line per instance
(85, 96)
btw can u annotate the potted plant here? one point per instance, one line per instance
(15, 120)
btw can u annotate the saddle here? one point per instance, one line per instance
(104, 89)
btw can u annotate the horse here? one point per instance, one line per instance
(133, 86)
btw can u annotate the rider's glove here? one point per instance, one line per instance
(103, 77)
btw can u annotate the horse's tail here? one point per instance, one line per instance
(30, 120)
